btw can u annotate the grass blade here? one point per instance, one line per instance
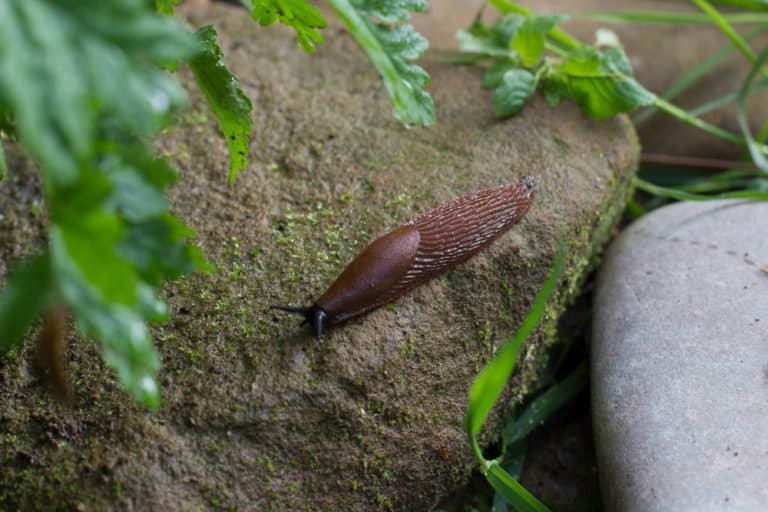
(693, 75)
(515, 494)
(726, 29)
(489, 383)
(687, 196)
(688, 118)
(755, 148)
(669, 17)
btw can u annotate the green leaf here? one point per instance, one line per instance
(57, 113)
(26, 295)
(494, 75)
(490, 41)
(506, 28)
(124, 337)
(490, 382)
(158, 249)
(601, 83)
(305, 19)
(165, 7)
(529, 39)
(136, 199)
(90, 244)
(390, 49)
(228, 102)
(390, 11)
(513, 492)
(518, 85)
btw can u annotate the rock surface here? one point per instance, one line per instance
(256, 414)
(680, 361)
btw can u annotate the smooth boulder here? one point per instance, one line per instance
(680, 361)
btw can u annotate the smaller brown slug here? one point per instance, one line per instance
(417, 251)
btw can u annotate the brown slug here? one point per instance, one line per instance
(419, 250)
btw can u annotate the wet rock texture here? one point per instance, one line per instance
(256, 413)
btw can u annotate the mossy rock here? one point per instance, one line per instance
(256, 413)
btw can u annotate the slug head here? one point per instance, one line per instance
(313, 316)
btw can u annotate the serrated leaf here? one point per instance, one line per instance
(390, 49)
(228, 102)
(390, 11)
(601, 83)
(26, 295)
(158, 249)
(529, 40)
(489, 41)
(305, 19)
(517, 86)
(89, 129)
(506, 27)
(126, 345)
(134, 198)
(494, 75)
(56, 111)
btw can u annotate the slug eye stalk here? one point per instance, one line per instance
(313, 316)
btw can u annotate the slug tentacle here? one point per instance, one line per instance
(291, 309)
(421, 249)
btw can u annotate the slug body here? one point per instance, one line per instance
(419, 250)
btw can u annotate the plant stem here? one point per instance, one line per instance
(684, 116)
(680, 195)
(478, 453)
(669, 17)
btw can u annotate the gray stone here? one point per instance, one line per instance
(680, 361)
